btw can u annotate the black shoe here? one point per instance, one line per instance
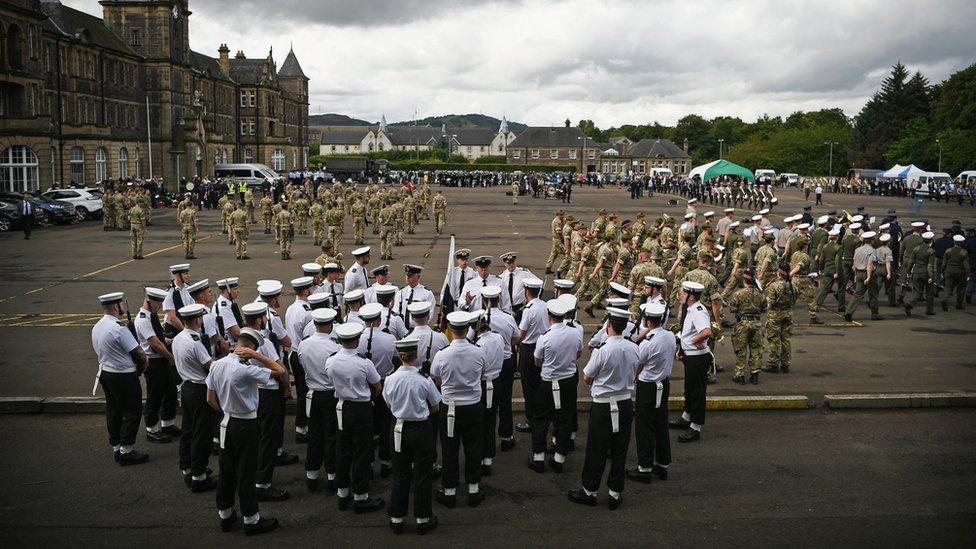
(158, 437)
(117, 456)
(447, 501)
(770, 369)
(301, 438)
(848, 318)
(691, 435)
(660, 472)
(344, 502)
(132, 458)
(485, 470)
(523, 427)
(536, 465)
(754, 378)
(271, 494)
(396, 527)
(613, 503)
(427, 526)
(476, 498)
(367, 505)
(312, 484)
(679, 424)
(579, 496)
(741, 380)
(385, 470)
(262, 526)
(555, 465)
(205, 485)
(284, 458)
(507, 444)
(633, 473)
(227, 524)
(172, 430)
(784, 369)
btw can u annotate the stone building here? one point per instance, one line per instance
(76, 91)
(554, 146)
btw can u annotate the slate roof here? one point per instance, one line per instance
(207, 65)
(247, 71)
(291, 67)
(411, 135)
(344, 136)
(656, 148)
(474, 136)
(69, 21)
(549, 137)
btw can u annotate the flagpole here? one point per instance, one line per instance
(149, 137)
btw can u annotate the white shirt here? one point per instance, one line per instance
(460, 366)
(112, 343)
(144, 331)
(268, 350)
(224, 309)
(409, 394)
(474, 287)
(493, 346)
(382, 350)
(274, 323)
(191, 356)
(371, 292)
(503, 324)
(411, 294)
(351, 375)
(601, 335)
(393, 321)
(428, 339)
(517, 295)
(353, 316)
(236, 383)
(535, 320)
(456, 281)
(334, 289)
(297, 315)
(656, 354)
(169, 303)
(576, 325)
(558, 347)
(696, 320)
(355, 279)
(313, 354)
(613, 368)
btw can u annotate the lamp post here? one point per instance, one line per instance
(582, 152)
(939, 142)
(720, 142)
(830, 158)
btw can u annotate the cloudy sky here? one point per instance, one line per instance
(616, 62)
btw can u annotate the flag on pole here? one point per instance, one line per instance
(447, 298)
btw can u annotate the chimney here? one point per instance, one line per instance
(240, 55)
(686, 145)
(224, 59)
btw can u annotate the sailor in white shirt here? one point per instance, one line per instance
(193, 364)
(412, 292)
(120, 360)
(232, 386)
(355, 380)
(569, 318)
(226, 310)
(412, 398)
(430, 341)
(316, 301)
(457, 278)
(505, 326)
(214, 342)
(274, 332)
(655, 361)
(512, 284)
(297, 316)
(471, 293)
(378, 346)
(333, 287)
(493, 345)
(271, 410)
(534, 322)
(314, 270)
(381, 277)
(562, 286)
(654, 293)
(160, 408)
(320, 402)
(354, 300)
(697, 359)
(356, 278)
(631, 332)
(610, 374)
(556, 353)
(176, 297)
(458, 370)
(391, 322)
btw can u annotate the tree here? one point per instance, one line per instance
(697, 131)
(915, 146)
(590, 130)
(885, 115)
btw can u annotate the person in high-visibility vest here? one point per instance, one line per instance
(241, 189)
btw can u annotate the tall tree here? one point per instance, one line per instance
(885, 115)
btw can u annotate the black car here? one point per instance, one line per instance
(46, 209)
(9, 216)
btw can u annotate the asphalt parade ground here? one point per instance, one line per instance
(50, 283)
(774, 479)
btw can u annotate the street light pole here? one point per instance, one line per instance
(939, 141)
(582, 154)
(830, 157)
(720, 142)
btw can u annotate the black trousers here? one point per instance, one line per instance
(651, 425)
(238, 463)
(503, 396)
(530, 378)
(301, 389)
(469, 432)
(160, 392)
(382, 424)
(27, 223)
(491, 419)
(696, 383)
(546, 414)
(271, 418)
(355, 447)
(196, 441)
(413, 463)
(322, 431)
(123, 406)
(600, 439)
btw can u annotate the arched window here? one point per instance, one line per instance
(278, 160)
(18, 170)
(101, 164)
(77, 165)
(123, 163)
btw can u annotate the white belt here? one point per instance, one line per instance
(489, 393)
(660, 393)
(556, 401)
(614, 408)
(223, 430)
(451, 413)
(398, 435)
(109, 369)
(98, 375)
(308, 403)
(339, 413)
(695, 351)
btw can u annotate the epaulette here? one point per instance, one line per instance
(306, 306)
(433, 329)
(142, 315)
(528, 306)
(195, 337)
(333, 354)
(547, 331)
(360, 355)
(272, 311)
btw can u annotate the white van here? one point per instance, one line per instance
(661, 172)
(766, 173)
(254, 175)
(792, 179)
(967, 178)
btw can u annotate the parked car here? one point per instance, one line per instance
(87, 201)
(47, 210)
(9, 216)
(255, 175)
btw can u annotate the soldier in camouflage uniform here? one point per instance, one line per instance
(137, 232)
(299, 214)
(644, 268)
(800, 263)
(571, 252)
(625, 259)
(599, 224)
(286, 228)
(123, 203)
(359, 222)
(639, 229)
(739, 262)
(240, 231)
(374, 205)
(747, 304)
(387, 227)
(606, 259)
(399, 223)
(828, 257)
(424, 205)
(921, 267)
(249, 205)
(780, 298)
(334, 219)
(317, 213)
(409, 212)
(440, 212)
(556, 232)
(766, 259)
(188, 230)
(108, 210)
(227, 210)
(846, 264)
(587, 260)
(329, 255)
(142, 199)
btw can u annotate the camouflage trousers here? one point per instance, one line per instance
(250, 212)
(287, 236)
(122, 219)
(318, 231)
(566, 262)
(240, 238)
(359, 231)
(302, 224)
(582, 284)
(601, 285)
(386, 243)
(803, 286)
(335, 237)
(779, 330)
(108, 219)
(374, 220)
(138, 234)
(411, 221)
(557, 249)
(266, 217)
(398, 234)
(439, 220)
(748, 346)
(733, 284)
(189, 235)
